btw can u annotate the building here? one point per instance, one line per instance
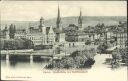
(75, 33)
(20, 33)
(50, 35)
(62, 37)
(2, 34)
(40, 34)
(60, 34)
(83, 37)
(80, 21)
(57, 30)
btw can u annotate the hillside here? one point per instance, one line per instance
(87, 20)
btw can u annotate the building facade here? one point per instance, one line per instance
(40, 35)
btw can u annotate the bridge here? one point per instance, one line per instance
(49, 53)
(43, 53)
(29, 53)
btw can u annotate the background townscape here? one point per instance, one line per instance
(66, 45)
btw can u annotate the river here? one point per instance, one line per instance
(34, 71)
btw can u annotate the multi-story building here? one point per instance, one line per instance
(83, 37)
(40, 35)
(20, 33)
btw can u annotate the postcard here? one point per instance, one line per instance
(63, 40)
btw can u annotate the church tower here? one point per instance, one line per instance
(80, 21)
(58, 18)
(58, 26)
(41, 24)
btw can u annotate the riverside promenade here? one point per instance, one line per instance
(102, 70)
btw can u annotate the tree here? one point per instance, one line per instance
(91, 31)
(1, 44)
(100, 29)
(12, 31)
(88, 42)
(28, 44)
(102, 48)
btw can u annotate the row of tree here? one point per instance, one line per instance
(119, 56)
(12, 30)
(77, 60)
(15, 44)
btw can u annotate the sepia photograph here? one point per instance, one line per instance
(63, 40)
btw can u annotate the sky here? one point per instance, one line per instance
(33, 10)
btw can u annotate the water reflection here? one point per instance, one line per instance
(23, 64)
(101, 60)
(100, 68)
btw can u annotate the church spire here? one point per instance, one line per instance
(80, 20)
(58, 26)
(58, 18)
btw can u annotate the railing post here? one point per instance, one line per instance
(31, 58)
(7, 60)
(7, 56)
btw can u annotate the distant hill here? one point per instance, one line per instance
(65, 21)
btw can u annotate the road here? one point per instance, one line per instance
(104, 72)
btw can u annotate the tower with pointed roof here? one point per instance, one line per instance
(58, 19)
(58, 26)
(80, 20)
(41, 24)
